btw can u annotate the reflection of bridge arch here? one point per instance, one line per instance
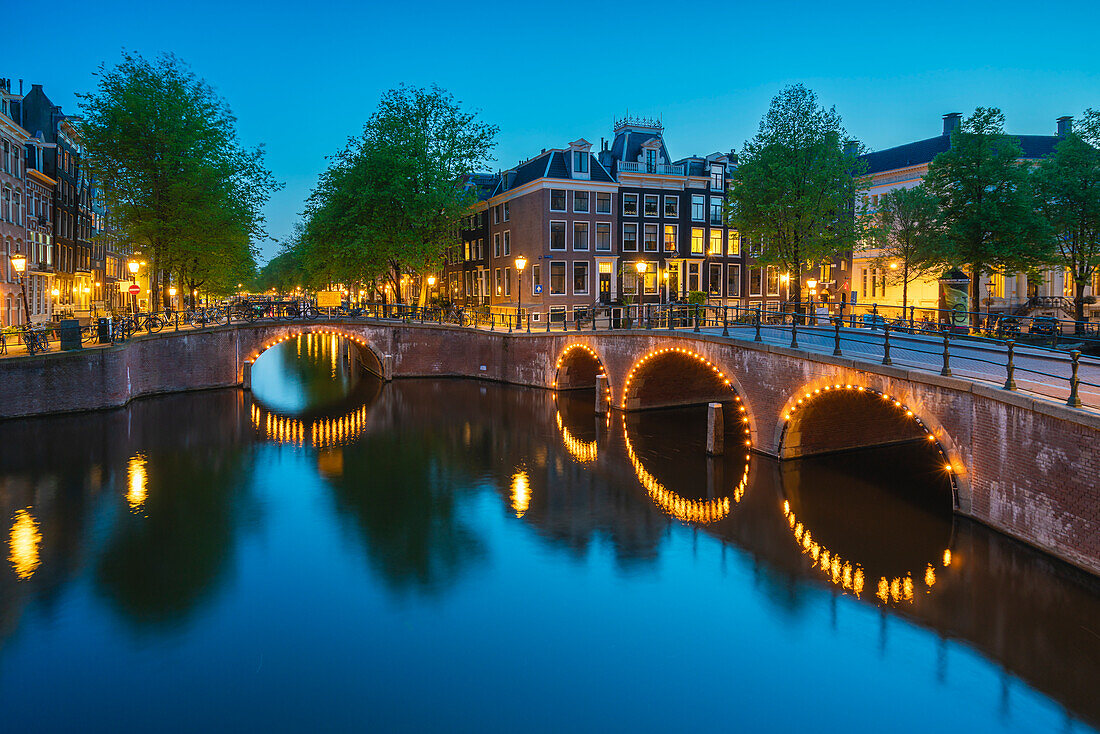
(583, 451)
(699, 512)
(849, 575)
(369, 358)
(319, 432)
(856, 416)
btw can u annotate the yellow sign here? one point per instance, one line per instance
(329, 299)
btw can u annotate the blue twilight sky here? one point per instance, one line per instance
(302, 77)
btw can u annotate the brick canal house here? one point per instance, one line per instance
(40, 190)
(13, 231)
(584, 220)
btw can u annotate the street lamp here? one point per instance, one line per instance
(521, 263)
(19, 264)
(665, 276)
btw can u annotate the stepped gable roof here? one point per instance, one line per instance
(923, 151)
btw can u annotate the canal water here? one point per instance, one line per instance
(333, 554)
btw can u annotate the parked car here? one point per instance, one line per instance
(1044, 326)
(872, 321)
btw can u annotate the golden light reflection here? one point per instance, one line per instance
(23, 542)
(849, 575)
(318, 433)
(583, 451)
(521, 493)
(683, 509)
(137, 480)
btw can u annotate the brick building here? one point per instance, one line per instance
(12, 196)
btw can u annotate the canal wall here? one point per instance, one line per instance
(1024, 466)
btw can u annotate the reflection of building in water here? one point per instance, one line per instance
(849, 575)
(23, 543)
(316, 432)
(682, 508)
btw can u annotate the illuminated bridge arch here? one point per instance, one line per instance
(577, 368)
(367, 356)
(844, 416)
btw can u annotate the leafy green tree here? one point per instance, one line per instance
(176, 178)
(903, 230)
(795, 185)
(987, 216)
(1068, 188)
(391, 200)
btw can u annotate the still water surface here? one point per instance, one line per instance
(333, 554)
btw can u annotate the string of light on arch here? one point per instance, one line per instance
(702, 360)
(585, 348)
(888, 400)
(318, 433)
(700, 512)
(850, 576)
(312, 332)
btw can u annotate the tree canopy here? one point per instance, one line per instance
(794, 187)
(177, 180)
(987, 216)
(391, 200)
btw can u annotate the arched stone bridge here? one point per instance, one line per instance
(1023, 465)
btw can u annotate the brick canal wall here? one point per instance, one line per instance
(1024, 466)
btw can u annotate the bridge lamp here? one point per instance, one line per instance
(172, 292)
(431, 281)
(521, 263)
(134, 266)
(19, 263)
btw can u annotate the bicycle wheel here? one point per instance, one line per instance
(154, 324)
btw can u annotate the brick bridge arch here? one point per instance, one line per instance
(1021, 464)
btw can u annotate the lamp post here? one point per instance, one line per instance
(811, 284)
(172, 295)
(134, 266)
(785, 279)
(19, 264)
(665, 276)
(521, 263)
(988, 300)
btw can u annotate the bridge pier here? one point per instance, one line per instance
(246, 376)
(387, 368)
(603, 395)
(715, 430)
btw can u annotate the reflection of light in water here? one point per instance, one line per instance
(521, 493)
(333, 355)
(319, 432)
(849, 575)
(694, 511)
(582, 451)
(136, 482)
(23, 542)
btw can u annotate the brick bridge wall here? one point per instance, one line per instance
(1025, 467)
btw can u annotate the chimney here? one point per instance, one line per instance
(951, 121)
(851, 147)
(1065, 126)
(20, 87)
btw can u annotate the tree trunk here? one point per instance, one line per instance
(975, 297)
(1079, 306)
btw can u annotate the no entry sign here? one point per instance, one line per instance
(135, 288)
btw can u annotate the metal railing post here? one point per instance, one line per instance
(794, 332)
(548, 320)
(696, 318)
(669, 316)
(874, 314)
(528, 322)
(1010, 366)
(1074, 381)
(725, 320)
(758, 337)
(836, 337)
(946, 371)
(886, 345)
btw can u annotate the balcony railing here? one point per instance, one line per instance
(661, 169)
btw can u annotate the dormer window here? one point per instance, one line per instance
(651, 161)
(717, 178)
(580, 161)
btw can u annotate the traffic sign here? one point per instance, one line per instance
(135, 288)
(538, 289)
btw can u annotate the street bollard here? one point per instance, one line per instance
(725, 321)
(946, 371)
(758, 337)
(1074, 381)
(886, 345)
(794, 331)
(836, 338)
(1010, 366)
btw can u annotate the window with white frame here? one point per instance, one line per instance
(693, 277)
(630, 205)
(496, 244)
(733, 281)
(507, 242)
(715, 210)
(670, 238)
(557, 235)
(580, 236)
(672, 206)
(507, 281)
(734, 242)
(557, 278)
(603, 236)
(507, 210)
(714, 280)
(697, 241)
(717, 178)
(756, 281)
(630, 237)
(580, 278)
(649, 237)
(773, 280)
(715, 241)
(496, 214)
(698, 206)
(580, 161)
(557, 200)
(651, 204)
(580, 202)
(500, 286)
(603, 203)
